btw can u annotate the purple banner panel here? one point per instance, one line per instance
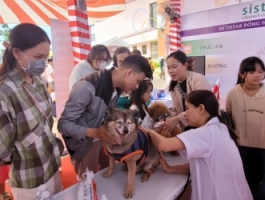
(224, 28)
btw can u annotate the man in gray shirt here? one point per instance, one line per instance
(81, 120)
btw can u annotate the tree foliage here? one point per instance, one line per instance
(4, 32)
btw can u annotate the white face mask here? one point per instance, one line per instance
(102, 65)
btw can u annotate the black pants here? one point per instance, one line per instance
(254, 167)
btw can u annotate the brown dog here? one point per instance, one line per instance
(158, 111)
(134, 148)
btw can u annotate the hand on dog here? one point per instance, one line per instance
(101, 134)
(148, 131)
(170, 123)
(163, 162)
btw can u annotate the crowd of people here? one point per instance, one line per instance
(224, 162)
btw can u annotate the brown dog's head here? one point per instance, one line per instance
(158, 109)
(120, 123)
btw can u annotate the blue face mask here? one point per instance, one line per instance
(35, 67)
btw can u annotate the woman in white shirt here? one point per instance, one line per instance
(215, 164)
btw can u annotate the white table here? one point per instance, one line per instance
(160, 186)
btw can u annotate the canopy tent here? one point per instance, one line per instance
(41, 11)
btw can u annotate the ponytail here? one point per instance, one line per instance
(9, 63)
(230, 130)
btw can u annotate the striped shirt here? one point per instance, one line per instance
(26, 140)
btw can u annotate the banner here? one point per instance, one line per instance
(225, 37)
(193, 6)
(63, 61)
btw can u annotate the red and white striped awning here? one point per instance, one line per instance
(41, 11)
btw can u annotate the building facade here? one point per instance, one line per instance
(137, 26)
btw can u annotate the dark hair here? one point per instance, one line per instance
(23, 36)
(49, 59)
(97, 51)
(210, 102)
(248, 65)
(138, 64)
(136, 52)
(182, 58)
(136, 96)
(191, 62)
(118, 51)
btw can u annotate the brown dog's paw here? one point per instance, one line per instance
(124, 168)
(128, 193)
(145, 177)
(107, 174)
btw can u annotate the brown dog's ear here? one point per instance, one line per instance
(109, 112)
(136, 114)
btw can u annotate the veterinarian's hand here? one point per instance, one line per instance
(148, 131)
(101, 134)
(171, 123)
(163, 162)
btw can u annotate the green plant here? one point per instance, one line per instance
(4, 32)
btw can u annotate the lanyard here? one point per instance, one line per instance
(37, 104)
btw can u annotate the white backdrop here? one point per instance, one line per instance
(225, 36)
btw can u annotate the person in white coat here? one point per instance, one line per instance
(215, 165)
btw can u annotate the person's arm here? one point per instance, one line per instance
(176, 169)
(172, 122)
(7, 131)
(165, 144)
(80, 98)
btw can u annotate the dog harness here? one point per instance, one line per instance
(140, 146)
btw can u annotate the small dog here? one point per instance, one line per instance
(159, 112)
(134, 148)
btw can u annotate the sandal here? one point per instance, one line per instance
(5, 196)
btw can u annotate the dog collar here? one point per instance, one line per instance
(163, 116)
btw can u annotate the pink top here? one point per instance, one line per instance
(215, 164)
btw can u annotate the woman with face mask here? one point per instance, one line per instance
(97, 59)
(26, 139)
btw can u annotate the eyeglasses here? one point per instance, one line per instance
(104, 60)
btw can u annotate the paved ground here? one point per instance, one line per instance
(157, 82)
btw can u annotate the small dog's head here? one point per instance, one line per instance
(157, 109)
(119, 123)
